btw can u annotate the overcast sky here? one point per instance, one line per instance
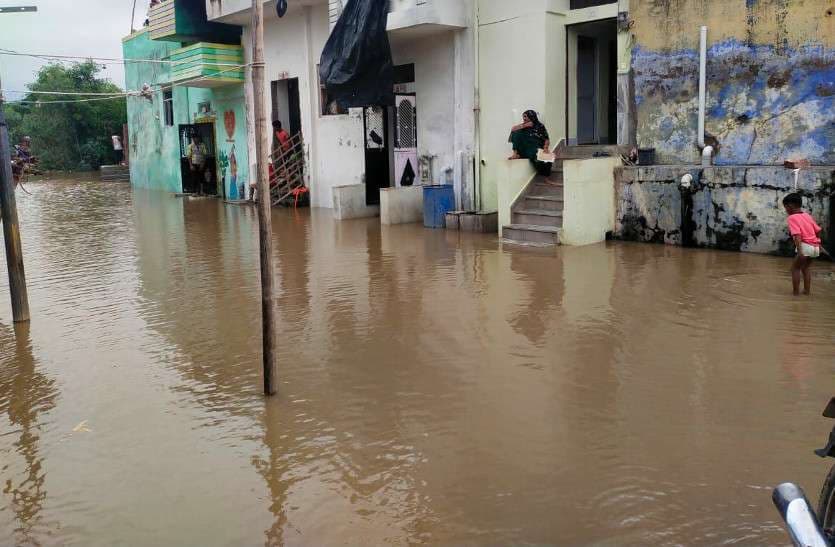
(64, 27)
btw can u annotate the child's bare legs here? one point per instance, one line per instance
(797, 272)
(807, 275)
(800, 269)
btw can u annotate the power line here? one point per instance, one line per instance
(69, 101)
(133, 93)
(104, 60)
(79, 93)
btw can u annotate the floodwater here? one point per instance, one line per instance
(435, 387)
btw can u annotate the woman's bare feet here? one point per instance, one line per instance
(515, 156)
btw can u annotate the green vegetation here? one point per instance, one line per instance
(74, 135)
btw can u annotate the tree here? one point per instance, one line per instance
(71, 135)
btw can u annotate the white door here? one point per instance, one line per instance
(405, 141)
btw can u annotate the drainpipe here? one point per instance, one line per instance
(702, 86)
(476, 110)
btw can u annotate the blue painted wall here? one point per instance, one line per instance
(770, 72)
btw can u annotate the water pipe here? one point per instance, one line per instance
(477, 160)
(707, 156)
(702, 85)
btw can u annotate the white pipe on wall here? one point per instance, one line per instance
(702, 85)
(477, 108)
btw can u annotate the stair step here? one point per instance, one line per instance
(541, 212)
(543, 203)
(529, 233)
(537, 218)
(539, 189)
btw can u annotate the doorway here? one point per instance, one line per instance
(592, 80)
(200, 179)
(286, 105)
(377, 173)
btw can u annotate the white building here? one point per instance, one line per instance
(469, 67)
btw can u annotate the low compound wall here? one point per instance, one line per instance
(349, 202)
(732, 208)
(589, 200)
(401, 205)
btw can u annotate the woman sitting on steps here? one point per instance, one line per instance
(528, 138)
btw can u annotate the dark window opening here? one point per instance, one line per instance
(580, 4)
(404, 74)
(328, 106)
(168, 107)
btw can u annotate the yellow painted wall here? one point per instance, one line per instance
(515, 176)
(589, 200)
(512, 79)
(674, 24)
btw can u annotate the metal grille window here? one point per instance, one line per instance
(374, 128)
(168, 107)
(334, 11)
(406, 123)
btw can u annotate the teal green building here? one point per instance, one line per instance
(195, 72)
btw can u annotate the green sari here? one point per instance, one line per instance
(528, 141)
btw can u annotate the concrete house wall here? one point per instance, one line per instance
(155, 147)
(443, 59)
(771, 79)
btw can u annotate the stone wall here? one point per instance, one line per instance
(729, 208)
(770, 73)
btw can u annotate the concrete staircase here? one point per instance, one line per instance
(114, 173)
(536, 217)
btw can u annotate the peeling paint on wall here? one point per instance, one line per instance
(770, 73)
(763, 107)
(730, 208)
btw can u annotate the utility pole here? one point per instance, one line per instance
(8, 207)
(268, 328)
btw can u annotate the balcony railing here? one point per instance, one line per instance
(208, 65)
(186, 21)
(162, 20)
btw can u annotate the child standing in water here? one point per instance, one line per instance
(804, 231)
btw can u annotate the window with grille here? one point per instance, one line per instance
(168, 107)
(375, 128)
(406, 135)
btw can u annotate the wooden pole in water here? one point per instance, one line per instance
(268, 328)
(11, 226)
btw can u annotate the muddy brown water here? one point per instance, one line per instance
(435, 387)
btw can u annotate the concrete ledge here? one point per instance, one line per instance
(401, 205)
(514, 177)
(589, 200)
(482, 223)
(770, 177)
(734, 208)
(349, 202)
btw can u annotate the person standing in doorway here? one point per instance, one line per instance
(281, 139)
(118, 149)
(196, 155)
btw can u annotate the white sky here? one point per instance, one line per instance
(64, 27)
